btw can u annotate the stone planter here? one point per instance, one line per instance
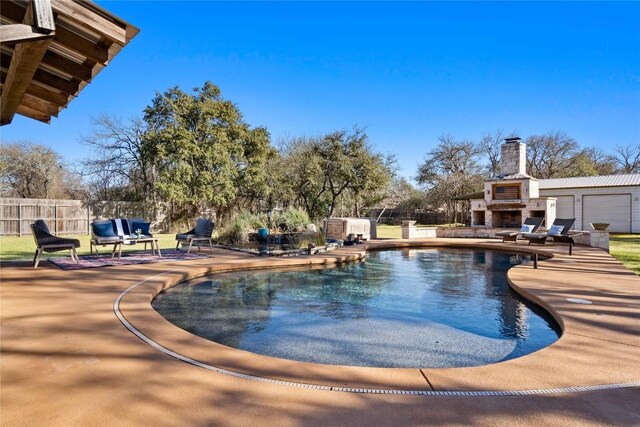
(600, 226)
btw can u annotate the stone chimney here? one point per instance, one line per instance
(514, 157)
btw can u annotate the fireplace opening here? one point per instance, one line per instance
(478, 218)
(506, 219)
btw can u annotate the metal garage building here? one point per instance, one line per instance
(614, 199)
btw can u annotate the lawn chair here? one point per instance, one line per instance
(47, 242)
(532, 223)
(201, 233)
(559, 232)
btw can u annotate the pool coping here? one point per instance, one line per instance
(588, 356)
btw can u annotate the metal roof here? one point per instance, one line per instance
(591, 181)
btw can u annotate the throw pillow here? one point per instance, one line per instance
(555, 230)
(526, 228)
(103, 229)
(142, 226)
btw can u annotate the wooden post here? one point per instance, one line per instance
(55, 218)
(88, 220)
(19, 219)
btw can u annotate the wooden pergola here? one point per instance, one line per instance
(50, 50)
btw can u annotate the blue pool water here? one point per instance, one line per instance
(410, 308)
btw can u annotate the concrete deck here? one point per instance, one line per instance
(67, 359)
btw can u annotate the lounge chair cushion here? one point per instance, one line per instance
(144, 227)
(43, 226)
(555, 230)
(204, 227)
(103, 229)
(526, 228)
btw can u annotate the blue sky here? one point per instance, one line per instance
(407, 72)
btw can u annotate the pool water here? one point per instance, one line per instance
(410, 308)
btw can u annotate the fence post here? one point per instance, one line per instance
(88, 220)
(19, 219)
(55, 217)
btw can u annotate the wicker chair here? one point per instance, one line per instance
(47, 242)
(201, 233)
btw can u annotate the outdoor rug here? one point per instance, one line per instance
(128, 258)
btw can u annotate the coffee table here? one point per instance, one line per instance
(155, 247)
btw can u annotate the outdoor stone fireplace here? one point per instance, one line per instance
(512, 196)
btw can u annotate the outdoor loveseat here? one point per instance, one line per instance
(111, 231)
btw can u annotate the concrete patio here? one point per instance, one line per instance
(67, 359)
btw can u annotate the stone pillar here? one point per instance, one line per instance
(514, 157)
(373, 230)
(406, 229)
(599, 239)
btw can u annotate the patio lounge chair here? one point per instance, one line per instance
(202, 232)
(47, 242)
(559, 232)
(532, 223)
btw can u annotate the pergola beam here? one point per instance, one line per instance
(104, 27)
(25, 61)
(38, 81)
(19, 33)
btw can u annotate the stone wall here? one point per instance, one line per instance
(595, 239)
(410, 231)
(469, 232)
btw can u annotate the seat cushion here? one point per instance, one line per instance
(183, 236)
(103, 229)
(144, 227)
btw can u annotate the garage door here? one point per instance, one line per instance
(565, 207)
(614, 209)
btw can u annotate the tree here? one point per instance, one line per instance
(35, 171)
(404, 196)
(593, 161)
(450, 171)
(627, 158)
(206, 155)
(491, 147)
(339, 166)
(122, 162)
(553, 155)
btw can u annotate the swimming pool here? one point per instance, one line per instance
(410, 308)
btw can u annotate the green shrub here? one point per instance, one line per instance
(237, 230)
(291, 220)
(302, 240)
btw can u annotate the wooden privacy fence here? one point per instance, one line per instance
(62, 216)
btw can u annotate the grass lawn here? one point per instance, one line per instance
(624, 247)
(20, 248)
